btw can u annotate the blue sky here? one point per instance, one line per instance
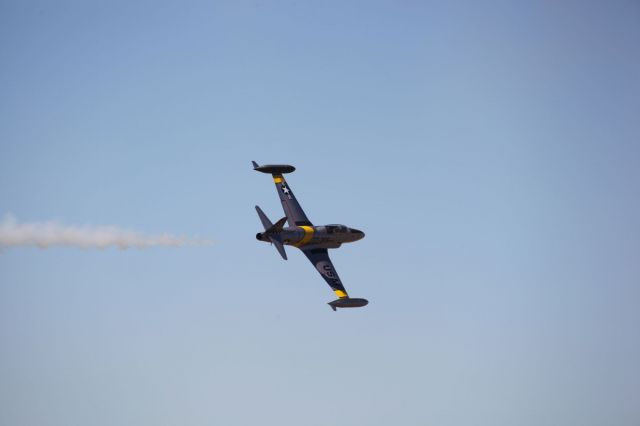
(489, 151)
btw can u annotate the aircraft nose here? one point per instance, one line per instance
(359, 234)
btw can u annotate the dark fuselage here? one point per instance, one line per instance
(328, 236)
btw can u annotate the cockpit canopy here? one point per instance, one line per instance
(337, 229)
(341, 229)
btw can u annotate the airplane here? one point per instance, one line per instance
(313, 241)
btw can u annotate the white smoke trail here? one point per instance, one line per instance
(46, 234)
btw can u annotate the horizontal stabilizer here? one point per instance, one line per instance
(272, 231)
(264, 219)
(275, 239)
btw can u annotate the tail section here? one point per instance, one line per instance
(271, 232)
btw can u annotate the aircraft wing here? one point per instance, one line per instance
(293, 211)
(319, 257)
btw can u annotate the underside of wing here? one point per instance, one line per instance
(319, 257)
(293, 211)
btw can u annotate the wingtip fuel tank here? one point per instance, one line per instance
(348, 302)
(274, 169)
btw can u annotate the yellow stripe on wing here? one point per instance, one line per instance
(341, 294)
(278, 178)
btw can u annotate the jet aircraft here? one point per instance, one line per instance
(313, 241)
